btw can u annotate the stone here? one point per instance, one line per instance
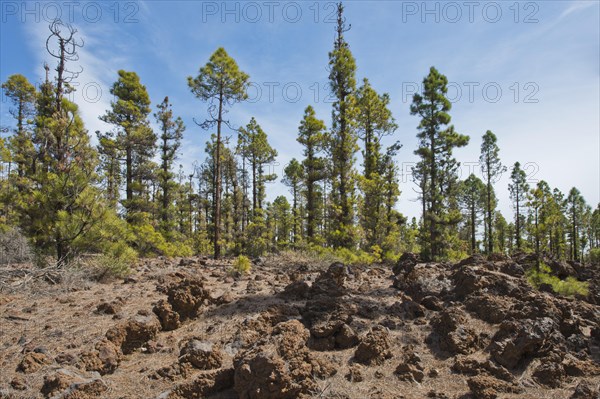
(105, 357)
(449, 329)
(486, 387)
(406, 263)
(345, 337)
(296, 290)
(112, 307)
(187, 296)
(279, 366)
(585, 390)
(203, 385)
(374, 347)
(202, 354)
(32, 362)
(549, 373)
(491, 308)
(517, 339)
(18, 383)
(169, 319)
(355, 373)
(134, 333)
(410, 368)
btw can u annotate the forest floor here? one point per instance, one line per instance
(297, 328)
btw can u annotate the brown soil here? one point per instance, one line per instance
(187, 328)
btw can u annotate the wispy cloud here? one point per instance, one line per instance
(98, 63)
(559, 53)
(576, 6)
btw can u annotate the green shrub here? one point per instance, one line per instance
(595, 256)
(258, 236)
(116, 266)
(242, 265)
(345, 255)
(149, 241)
(569, 287)
(391, 257)
(202, 243)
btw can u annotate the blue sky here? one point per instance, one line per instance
(528, 71)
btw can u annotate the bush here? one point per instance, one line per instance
(595, 256)
(258, 236)
(115, 266)
(345, 255)
(14, 247)
(569, 287)
(242, 265)
(150, 241)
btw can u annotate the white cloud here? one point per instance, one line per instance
(92, 94)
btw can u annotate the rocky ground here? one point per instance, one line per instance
(294, 329)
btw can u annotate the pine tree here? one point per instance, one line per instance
(492, 168)
(595, 226)
(63, 204)
(537, 203)
(171, 135)
(473, 199)
(255, 148)
(437, 170)
(518, 193)
(8, 218)
(233, 212)
(312, 136)
(501, 228)
(144, 176)
(22, 95)
(586, 220)
(221, 83)
(575, 207)
(560, 225)
(129, 113)
(389, 220)
(343, 137)
(294, 175)
(281, 221)
(374, 120)
(110, 166)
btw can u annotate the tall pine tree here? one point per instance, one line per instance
(518, 193)
(312, 136)
(129, 113)
(374, 121)
(342, 144)
(293, 177)
(492, 168)
(170, 139)
(437, 170)
(220, 83)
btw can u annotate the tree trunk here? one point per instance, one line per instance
(254, 188)
(310, 228)
(490, 238)
(129, 175)
(537, 242)
(165, 180)
(473, 240)
(518, 222)
(217, 161)
(433, 200)
(295, 215)
(574, 235)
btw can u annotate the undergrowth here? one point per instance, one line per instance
(568, 287)
(242, 265)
